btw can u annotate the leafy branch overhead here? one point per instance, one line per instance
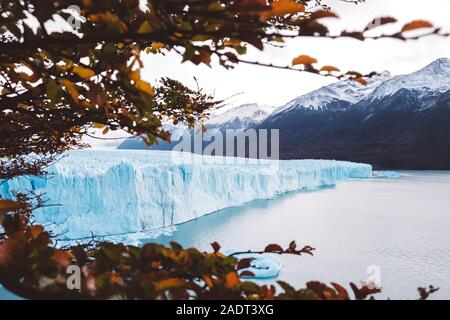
(56, 85)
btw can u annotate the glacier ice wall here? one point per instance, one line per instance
(116, 192)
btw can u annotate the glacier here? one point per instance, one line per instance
(117, 192)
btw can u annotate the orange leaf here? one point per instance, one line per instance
(143, 86)
(361, 81)
(245, 263)
(9, 205)
(98, 125)
(170, 283)
(158, 45)
(115, 278)
(208, 281)
(231, 280)
(303, 59)
(342, 293)
(82, 72)
(145, 27)
(70, 87)
(36, 230)
(61, 258)
(284, 7)
(329, 69)
(416, 24)
(134, 75)
(247, 273)
(12, 255)
(319, 14)
(273, 248)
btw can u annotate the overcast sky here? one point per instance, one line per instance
(276, 87)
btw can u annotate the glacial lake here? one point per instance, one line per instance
(401, 226)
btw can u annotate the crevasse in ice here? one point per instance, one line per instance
(116, 192)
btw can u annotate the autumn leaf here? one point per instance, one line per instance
(244, 263)
(303, 59)
(205, 57)
(308, 250)
(292, 247)
(329, 69)
(231, 280)
(170, 283)
(268, 293)
(98, 125)
(342, 293)
(111, 21)
(361, 81)
(145, 27)
(273, 248)
(9, 205)
(215, 246)
(12, 256)
(79, 254)
(416, 24)
(284, 7)
(208, 281)
(158, 45)
(425, 292)
(354, 74)
(145, 87)
(364, 292)
(70, 87)
(134, 75)
(246, 273)
(82, 72)
(61, 258)
(319, 14)
(52, 90)
(36, 230)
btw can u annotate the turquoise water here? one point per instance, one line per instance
(401, 226)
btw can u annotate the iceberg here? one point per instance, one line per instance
(389, 174)
(263, 266)
(117, 192)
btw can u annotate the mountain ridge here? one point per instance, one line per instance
(395, 122)
(406, 127)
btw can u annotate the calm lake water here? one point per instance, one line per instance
(401, 226)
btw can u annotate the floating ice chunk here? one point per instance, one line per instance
(264, 266)
(388, 174)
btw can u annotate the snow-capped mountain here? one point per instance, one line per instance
(240, 117)
(237, 118)
(345, 93)
(394, 122)
(433, 79)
